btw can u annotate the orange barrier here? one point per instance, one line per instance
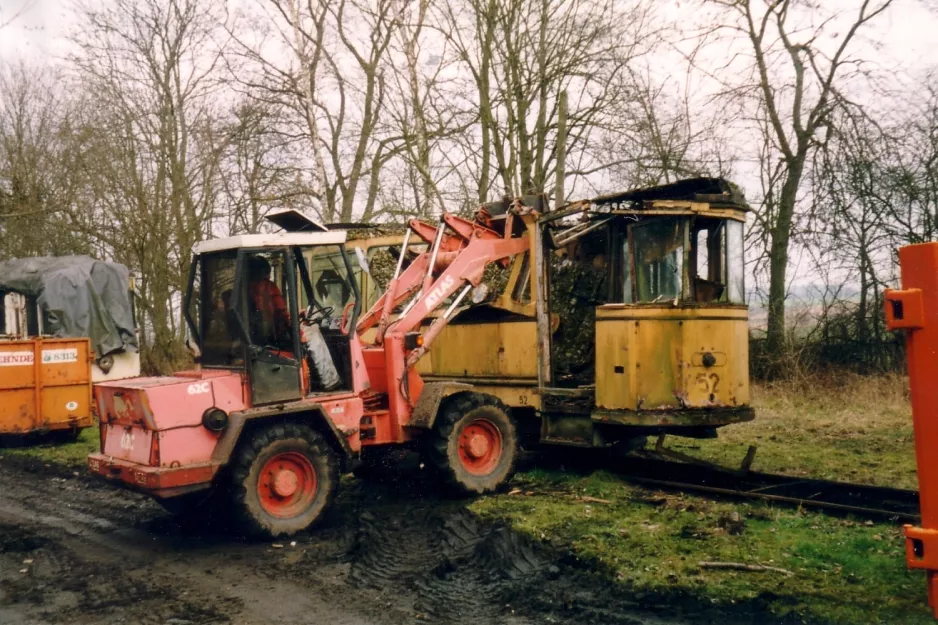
(45, 384)
(914, 308)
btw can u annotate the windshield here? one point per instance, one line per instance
(658, 259)
(692, 259)
(329, 278)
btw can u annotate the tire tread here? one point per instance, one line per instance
(249, 517)
(437, 448)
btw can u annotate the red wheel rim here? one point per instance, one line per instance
(287, 484)
(480, 447)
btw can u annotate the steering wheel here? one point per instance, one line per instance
(311, 310)
(346, 317)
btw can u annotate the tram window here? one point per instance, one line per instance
(736, 278)
(708, 254)
(659, 259)
(627, 296)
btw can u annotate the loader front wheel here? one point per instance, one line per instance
(474, 443)
(285, 477)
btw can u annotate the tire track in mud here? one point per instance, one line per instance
(392, 553)
(459, 570)
(140, 567)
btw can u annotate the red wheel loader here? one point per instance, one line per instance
(286, 394)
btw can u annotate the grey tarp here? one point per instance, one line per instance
(78, 296)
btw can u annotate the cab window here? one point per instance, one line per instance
(329, 279)
(268, 299)
(213, 324)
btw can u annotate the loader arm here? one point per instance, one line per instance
(463, 272)
(460, 250)
(398, 292)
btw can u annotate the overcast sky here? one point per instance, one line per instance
(909, 32)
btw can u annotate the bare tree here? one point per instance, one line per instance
(37, 172)
(847, 236)
(260, 170)
(794, 79)
(152, 148)
(333, 80)
(663, 133)
(422, 124)
(521, 55)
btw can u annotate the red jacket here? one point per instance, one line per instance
(272, 307)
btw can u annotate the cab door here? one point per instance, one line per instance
(268, 315)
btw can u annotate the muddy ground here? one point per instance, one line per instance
(75, 550)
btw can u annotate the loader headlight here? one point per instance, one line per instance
(215, 419)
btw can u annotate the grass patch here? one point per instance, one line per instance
(842, 571)
(847, 428)
(72, 455)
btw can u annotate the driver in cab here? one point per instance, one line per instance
(271, 323)
(271, 317)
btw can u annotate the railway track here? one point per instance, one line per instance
(876, 502)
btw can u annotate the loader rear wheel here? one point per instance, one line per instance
(284, 478)
(474, 443)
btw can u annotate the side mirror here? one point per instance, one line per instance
(362, 260)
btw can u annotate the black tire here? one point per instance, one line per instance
(448, 444)
(300, 447)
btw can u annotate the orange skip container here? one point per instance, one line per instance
(45, 385)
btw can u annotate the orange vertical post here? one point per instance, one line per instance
(38, 418)
(914, 308)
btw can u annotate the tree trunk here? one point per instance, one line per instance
(778, 257)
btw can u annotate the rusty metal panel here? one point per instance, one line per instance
(659, 357)
(658, 354)
(616, 371)
(128, 443)
(676, 418)
(65, 406)
(493, 350)
(467, 350)
(716, 365)
(17, 410)
(16, 364)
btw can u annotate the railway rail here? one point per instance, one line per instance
(876, 502)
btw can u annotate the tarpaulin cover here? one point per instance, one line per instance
(78, 297)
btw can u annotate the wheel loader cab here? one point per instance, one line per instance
(262, 310)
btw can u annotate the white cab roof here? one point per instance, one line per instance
(280, 239)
